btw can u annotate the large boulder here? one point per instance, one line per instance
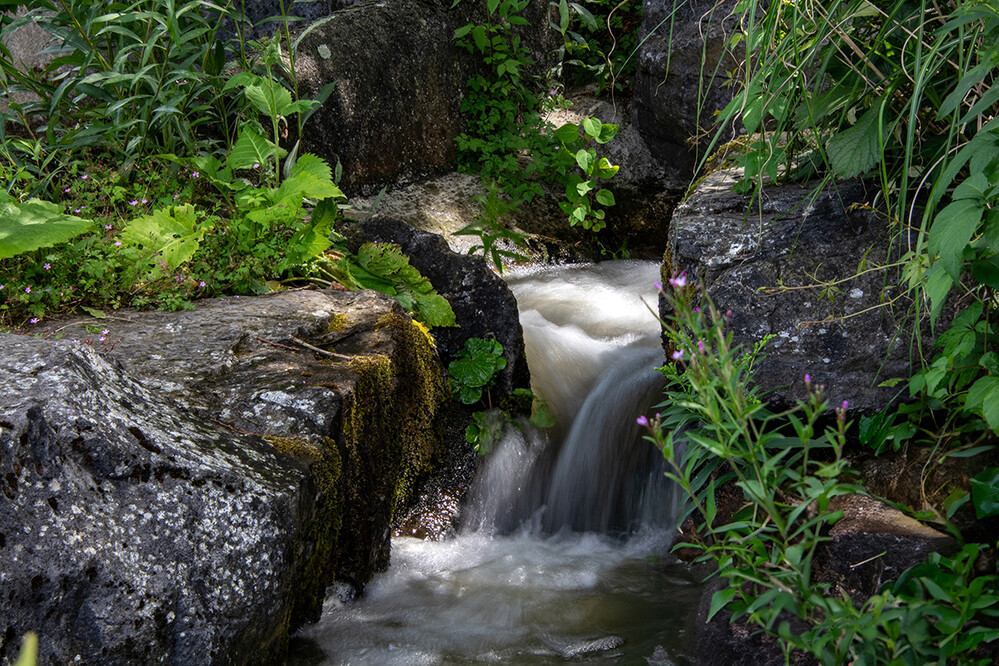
(400, 81)
(803, 267)
(483, 305)
(183, 487)
(683, 75)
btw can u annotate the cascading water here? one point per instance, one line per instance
(540, 572)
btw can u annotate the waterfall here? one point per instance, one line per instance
(540, 572)
(592, 346)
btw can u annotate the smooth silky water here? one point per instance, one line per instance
(563, 550)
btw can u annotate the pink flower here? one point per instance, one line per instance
(700, 346)
(642, 421)
(117, 243)
(680, 281)
(808, 378)
(33, 320)
(201, 284)
(47, 266)
(677, 355)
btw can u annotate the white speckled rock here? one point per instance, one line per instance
(188, 495)
(762, 260)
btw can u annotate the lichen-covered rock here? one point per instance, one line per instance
(802, 267)
(682, 75)
(400, 81)
(187, 494)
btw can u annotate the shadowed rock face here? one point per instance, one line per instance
(766, 260)
(682, 76)
(188, 495)
(400, 82)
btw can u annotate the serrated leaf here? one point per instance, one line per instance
(34, 224)
(951, 231)
(271, 99)
(856, 150)
(433, 310)
(250, 149)
(316, 166)
(170, 233)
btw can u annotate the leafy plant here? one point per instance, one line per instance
(383, 267)
(475, 369)
(714, 433)
(504, 140)
(34, 224)
(491, 229)
(583, 193)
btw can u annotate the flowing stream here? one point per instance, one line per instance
(563, 550)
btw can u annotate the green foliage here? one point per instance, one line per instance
(504, 140)
(583, 194)
(713, 432)
(985, 493)
(383, 267)
(491, 229)
(486, 430)
(33, 224)
(598, 48)
(507, 141)
(474, 370)
(129, 76)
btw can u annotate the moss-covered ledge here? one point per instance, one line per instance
(278, 434)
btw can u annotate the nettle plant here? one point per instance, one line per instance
(715, 432)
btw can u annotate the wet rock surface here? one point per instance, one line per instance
(186, 490)
(802, 267)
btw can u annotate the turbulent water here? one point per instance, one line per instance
(562, 554)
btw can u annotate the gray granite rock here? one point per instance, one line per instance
(766, 261)
(183, 487)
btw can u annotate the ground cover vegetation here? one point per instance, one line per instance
(901, 94)
(169, 142)
(509, 143)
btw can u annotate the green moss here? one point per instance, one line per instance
(318, 557)
(397, 402)
(338, 322)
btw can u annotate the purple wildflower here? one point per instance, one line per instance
(642, 421)
(47, 265)
(33, 320)
(677, 355)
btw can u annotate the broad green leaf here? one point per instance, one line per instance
(433, 310)
(607, 132)
(605, 197)
(34, 224)
(314, 238)
(172, 234)
(720, 599)
(951, 231)
(566, 134)
(985, 493)
(250, 149)
(270, 99)
(306, 185)
(592, 127)
(986, 271)
(585, 159)
(856, 150)
(983, 396)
